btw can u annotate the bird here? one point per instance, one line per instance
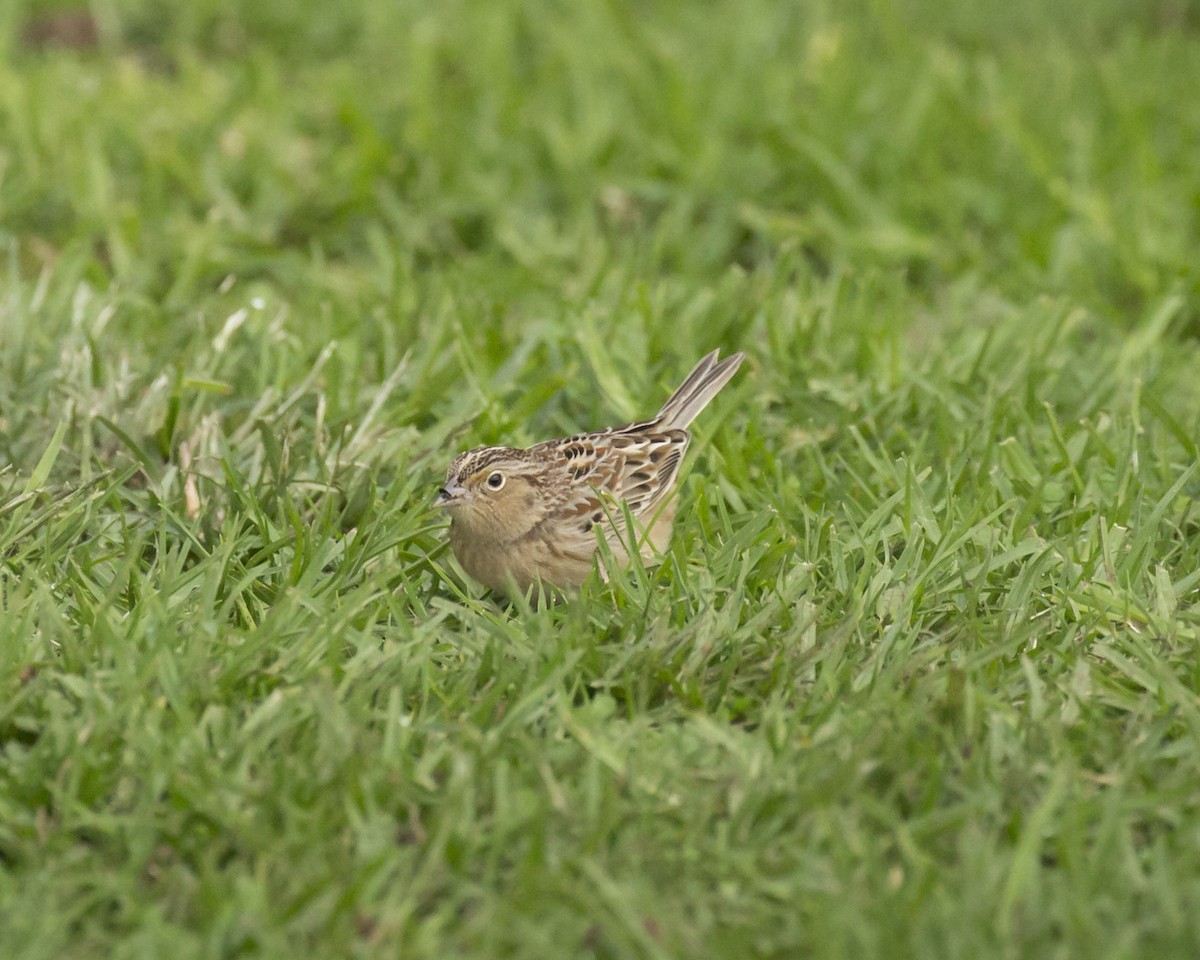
(520, 517)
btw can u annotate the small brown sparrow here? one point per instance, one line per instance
(522, 516)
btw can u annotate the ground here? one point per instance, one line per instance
(920, 673)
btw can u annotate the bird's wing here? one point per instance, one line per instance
(636, 465)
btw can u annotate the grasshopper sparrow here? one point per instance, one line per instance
(520, 516)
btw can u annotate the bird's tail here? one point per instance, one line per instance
(701, 385)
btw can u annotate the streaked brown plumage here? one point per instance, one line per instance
(522, 515)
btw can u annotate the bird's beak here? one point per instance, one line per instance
(450, 496)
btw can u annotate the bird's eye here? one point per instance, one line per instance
(495, 480)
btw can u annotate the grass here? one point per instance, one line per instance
(920, 674)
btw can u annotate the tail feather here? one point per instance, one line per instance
(701, 385)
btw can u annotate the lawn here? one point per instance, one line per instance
(920, 673)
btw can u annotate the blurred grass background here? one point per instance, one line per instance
(920, 675)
